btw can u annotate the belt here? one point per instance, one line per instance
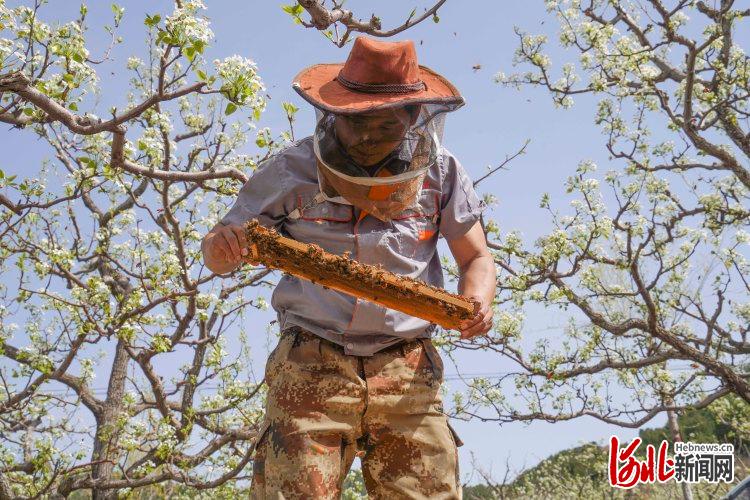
(405, 345)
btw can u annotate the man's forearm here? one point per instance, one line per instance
(479, 278)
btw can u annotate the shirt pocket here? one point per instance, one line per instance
(418, 227)
(324, 223)
(324, 211)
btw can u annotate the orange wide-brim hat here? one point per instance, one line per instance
(376, 75)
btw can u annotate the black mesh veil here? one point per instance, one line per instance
(377, 161)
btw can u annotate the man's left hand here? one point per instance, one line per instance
(480, 324)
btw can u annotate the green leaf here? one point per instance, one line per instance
(292, 10)
(83, 10)
(289, 108)
(78, 58)
(149, 21)
(202, 75)
(28, 111)
(435, 18)
(231, 108)
(118, 11)
(68, 77)
(295, 11)
(73, 106)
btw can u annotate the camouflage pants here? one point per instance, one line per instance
(325, 407)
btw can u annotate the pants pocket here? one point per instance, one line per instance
(279, 353)
(457, 442)
(259, 461)
(305, 349)
(433, 355)
(454, 434)
(261, 434)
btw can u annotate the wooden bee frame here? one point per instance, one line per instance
(372, 283)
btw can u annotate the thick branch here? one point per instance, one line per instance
(20, 85)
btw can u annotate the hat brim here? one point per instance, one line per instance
(317, 84)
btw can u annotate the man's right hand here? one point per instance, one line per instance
(224, 248)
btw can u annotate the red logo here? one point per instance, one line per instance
(625, 471)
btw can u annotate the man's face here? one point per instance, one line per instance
(370, 137)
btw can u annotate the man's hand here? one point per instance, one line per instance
(481, 323)
(224, 248)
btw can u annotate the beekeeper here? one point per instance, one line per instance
(349, 377)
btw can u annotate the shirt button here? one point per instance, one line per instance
(349, 345)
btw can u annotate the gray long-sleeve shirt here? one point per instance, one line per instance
(407, 245)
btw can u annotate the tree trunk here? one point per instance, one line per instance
(5, 491)
(674, 427)
(106, 439)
